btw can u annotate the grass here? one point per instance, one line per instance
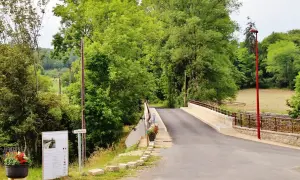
(34, 173)
(124, 159)
(132, 148)
(271, 100)
(159, 105)
(99, 159)
(122, 173)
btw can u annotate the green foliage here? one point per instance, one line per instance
(16, 158)
(294, 103)
(23, 114)
(198, 44)
(117, 45)
(284, 62)
(11, 161)
(278, 59)
(249, 42)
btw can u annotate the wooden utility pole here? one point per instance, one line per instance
(82, 103)
(185, 90)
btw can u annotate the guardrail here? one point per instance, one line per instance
(268, 122)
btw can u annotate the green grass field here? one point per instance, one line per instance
(271, 100)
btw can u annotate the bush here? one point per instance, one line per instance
(294, 102)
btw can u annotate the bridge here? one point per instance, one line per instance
(201, 152)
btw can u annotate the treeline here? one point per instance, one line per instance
(161, 51)
(279, 63)
(27, 105)
(279, 59)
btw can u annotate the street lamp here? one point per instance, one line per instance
(257, 83)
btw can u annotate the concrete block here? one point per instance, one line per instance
(151, 144)
(132, 164)
(140, 162)
(112, 168)
(147, 152)
(144, 158)
(150, 150)
(95, 172)
(147, 156)
(123, 166)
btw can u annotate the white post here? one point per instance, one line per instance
(79, 151)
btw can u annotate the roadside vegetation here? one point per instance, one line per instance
(160, 51)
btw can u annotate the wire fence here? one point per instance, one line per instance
(278, 123)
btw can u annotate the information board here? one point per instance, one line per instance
(55, 154)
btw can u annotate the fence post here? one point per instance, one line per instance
(249, 120)
(292, 126)
(275, 124)
(261, 122)
(241, 119)
(234, 115)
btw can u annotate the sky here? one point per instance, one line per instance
(269, 16)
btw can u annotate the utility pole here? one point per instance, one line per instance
(185, 91)
(82, 103)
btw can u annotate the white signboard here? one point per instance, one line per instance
(82, 131)
(55, 154)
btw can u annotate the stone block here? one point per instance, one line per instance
(112, 168)
(140, 162)
(151, 144)
(147, 152)
(95, 172)
(150, 148)
(147, 156)
(123, 166)
(144, 158)
(132, 164)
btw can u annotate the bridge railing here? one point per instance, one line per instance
(271, 122)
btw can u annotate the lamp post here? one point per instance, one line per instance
(257, 83)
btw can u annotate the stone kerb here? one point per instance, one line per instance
(140, 162)
(123, 166)
(112, 168)
(132, 164)
(95, 172)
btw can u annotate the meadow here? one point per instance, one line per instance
(271, 100)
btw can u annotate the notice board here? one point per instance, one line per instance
(55, 154)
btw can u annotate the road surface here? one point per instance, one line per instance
(199, 152)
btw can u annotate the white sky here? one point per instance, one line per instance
(269, 16)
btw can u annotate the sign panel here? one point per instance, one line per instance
(82, 131)
(55, 154)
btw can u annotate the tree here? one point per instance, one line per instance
(196, 41)
(119, 39)
(23, 115)
(20, 24)
(284, 62)
(294, 102)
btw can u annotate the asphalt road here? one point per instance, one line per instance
(199, 152)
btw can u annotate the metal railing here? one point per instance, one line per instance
(278, 123)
